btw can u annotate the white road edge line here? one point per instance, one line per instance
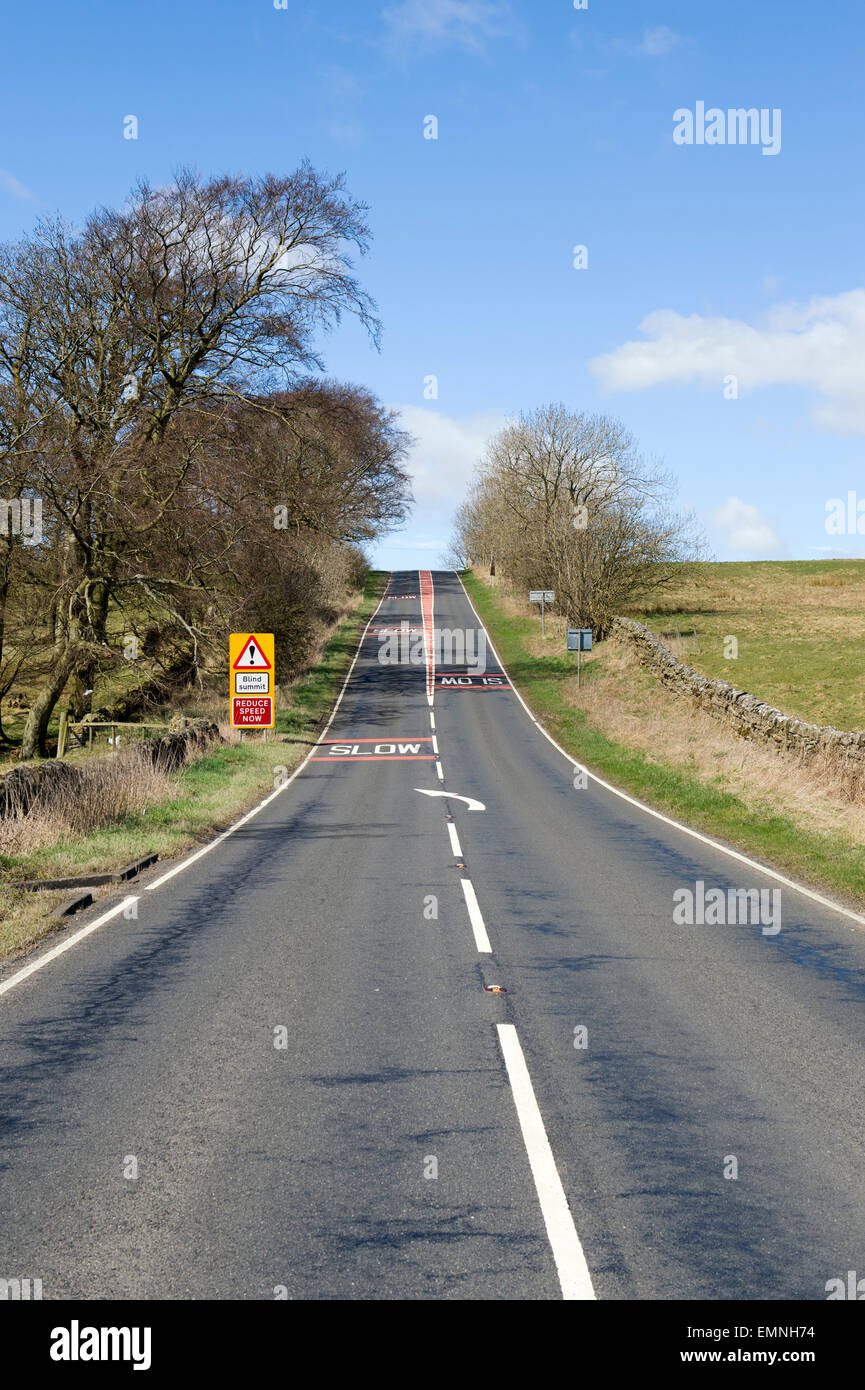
(191, 859)
(454, 839)
(185, 863)
(482, 941)
(659, 815)
(574, 1276)
(66, 945)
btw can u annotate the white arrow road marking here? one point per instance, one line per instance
(455, 796)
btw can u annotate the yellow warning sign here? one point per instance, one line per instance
(251, 663)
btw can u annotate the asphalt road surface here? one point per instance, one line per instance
(288, 1038)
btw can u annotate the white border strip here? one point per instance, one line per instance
(66, 945)
(659, 815)
(574, 1276)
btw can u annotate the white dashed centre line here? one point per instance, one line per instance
(482, 941)
(574, 1276)
(454, 839)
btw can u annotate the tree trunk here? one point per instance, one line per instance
(36, 728)
(5, 556)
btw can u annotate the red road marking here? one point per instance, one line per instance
(426, 603)
(377, 758)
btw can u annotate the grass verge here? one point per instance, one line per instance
(833, 862)
(205, 797)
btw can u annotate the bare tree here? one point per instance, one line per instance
(566, 501)
(190, 295)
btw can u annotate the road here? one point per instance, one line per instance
(288, 1038)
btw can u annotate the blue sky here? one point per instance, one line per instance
(555, 129)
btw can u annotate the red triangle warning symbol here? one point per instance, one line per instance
(251, 657)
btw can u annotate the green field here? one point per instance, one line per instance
(800, 627)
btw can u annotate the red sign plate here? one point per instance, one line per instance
(252, 711)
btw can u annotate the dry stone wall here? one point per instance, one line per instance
(744, 713)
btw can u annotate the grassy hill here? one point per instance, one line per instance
(800, 627)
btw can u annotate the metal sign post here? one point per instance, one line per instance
(579, 641)
(542, 596)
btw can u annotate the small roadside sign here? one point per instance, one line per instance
(542, 596)
(579, 641)
(251, 663)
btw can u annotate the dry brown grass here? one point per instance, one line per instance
(629, 705)
(110, 788)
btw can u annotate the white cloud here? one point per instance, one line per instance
(9, 184)
(441, 466)
(819, 346)
(657, 43)
(350, 132)
(435, 23)
(444, 458)
(745, 530)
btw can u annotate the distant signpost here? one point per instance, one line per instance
(542, 596)
(579, 641)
